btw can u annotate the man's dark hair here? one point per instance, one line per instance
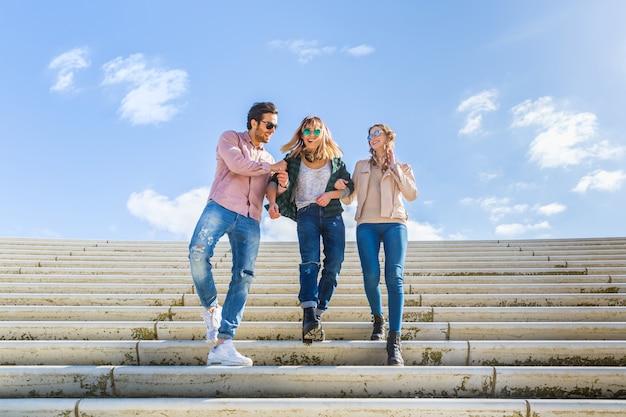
(258, 109)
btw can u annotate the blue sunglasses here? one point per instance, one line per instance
(374, 135)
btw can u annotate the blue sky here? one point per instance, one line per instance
(511, 113)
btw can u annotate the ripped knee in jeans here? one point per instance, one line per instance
(196, 252)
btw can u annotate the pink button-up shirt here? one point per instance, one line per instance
(241, 175)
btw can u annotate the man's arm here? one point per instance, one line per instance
(230, 150)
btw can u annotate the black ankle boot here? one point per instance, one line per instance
(379, 327)
(394, 350)
(311, 326)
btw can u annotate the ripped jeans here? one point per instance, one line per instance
(244, 235)
(311, 226)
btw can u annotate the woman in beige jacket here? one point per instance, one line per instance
(380, 183)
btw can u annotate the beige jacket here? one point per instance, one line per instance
(395, 184)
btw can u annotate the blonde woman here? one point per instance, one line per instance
(318, 178)
(380, 182)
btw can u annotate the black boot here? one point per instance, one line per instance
(311, 326)
(379, 327)
(394, 350)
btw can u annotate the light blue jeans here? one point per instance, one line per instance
(394, 238)
(244, 235)
(311, 226)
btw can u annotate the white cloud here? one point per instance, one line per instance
(348, 219)
(565, 138)
(517, 229)
(66, 64)
(306, 50)
(416, 231)
(489, 176)
(475, 107)
(520, 186)
(151, 89)
(601, 180)
(282, 229)
(178, 216)
(458, 236)
(550, 209)
(360, 50)
(473, 123)
(423, 231)
(496, 207)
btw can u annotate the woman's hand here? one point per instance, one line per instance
(341, 184)
(323, 200)
(390, 157)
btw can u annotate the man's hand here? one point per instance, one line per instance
(283, 178)
(279, 166)
(273, 211)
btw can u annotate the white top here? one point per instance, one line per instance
(311, 184)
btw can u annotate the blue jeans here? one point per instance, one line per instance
(394, 239)
(311, 226)
(244, 235)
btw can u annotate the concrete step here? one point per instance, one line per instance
(101, 287)
(294, 313)
(48, 381)
(339, 300)
(266, 254)
(328, 353)
(280, 330)
(311, 407)
(223, 278)
(451, 269)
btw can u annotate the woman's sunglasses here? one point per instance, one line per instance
(374, 135)
(307, 132)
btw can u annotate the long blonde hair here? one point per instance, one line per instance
(389, 144)
(327, 148)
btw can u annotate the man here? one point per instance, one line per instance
(234, 208)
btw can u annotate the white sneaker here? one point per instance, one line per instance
(212, 321)
(226, 355)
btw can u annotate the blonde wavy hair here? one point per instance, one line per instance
(389, 144)
(327, 148)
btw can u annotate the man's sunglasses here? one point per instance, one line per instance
(269, 125)
(307, 132)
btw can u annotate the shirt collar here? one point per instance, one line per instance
(249, 139)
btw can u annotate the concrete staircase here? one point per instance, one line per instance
(524, 328)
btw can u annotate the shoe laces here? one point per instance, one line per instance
(212, 318)
(230, 349)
